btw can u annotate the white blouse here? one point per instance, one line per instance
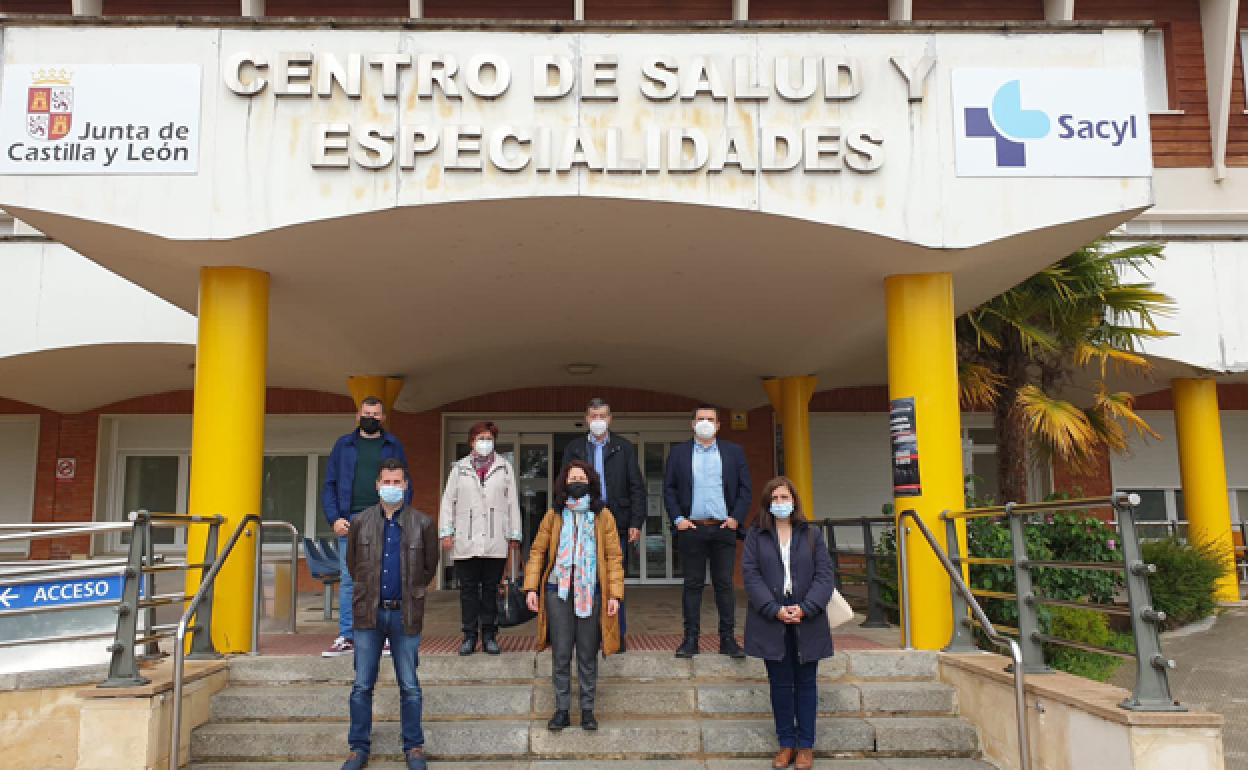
(784, 558)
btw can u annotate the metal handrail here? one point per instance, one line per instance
(955, 578)
(1152, 689)
(179, 649)
(876, 615)
(294, 580)
(137, 567)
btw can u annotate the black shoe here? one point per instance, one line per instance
(357, 761)
(490, 644)
(469, 646)
(728, 646)
(688, 648)
(559, 721)
(587, 720)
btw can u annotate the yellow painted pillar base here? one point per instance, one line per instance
(922, 365)
(790, 397)
(227, 440)
(385, 388)
(1202, 468)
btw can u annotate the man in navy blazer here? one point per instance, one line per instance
(706, 491)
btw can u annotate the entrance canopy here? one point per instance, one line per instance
(479, 210)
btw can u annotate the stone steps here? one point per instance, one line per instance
(631, 738)
(877, 709)
(929, 763)
(328, 702)
(860, 665)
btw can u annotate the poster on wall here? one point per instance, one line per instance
(100, 119)
(905, 445)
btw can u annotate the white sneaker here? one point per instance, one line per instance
(340, 647)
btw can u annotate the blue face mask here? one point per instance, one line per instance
(782, 510)
(390, 494)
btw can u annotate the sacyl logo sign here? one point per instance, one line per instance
(1050, 123)
(1008, 123)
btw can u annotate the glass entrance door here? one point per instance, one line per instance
(535, 445)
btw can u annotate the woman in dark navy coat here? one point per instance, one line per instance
(789, 581)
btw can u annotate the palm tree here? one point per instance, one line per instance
(1018, 354)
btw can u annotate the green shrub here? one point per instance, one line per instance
(1183, 585)
(1088, 627)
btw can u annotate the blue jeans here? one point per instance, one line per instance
(405, 652)
(794, 696)
(346, 615)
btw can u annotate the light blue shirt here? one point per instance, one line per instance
(598, 448)
(708, 484)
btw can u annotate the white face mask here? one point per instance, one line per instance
(704, 429)
(483, 447)
(598, 427)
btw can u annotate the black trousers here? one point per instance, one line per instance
(698, 547)
(478, 592)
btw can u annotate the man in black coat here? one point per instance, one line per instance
(706, 490)
(623, 491)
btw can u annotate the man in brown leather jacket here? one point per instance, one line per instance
(392, 552)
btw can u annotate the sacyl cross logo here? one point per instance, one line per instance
(1008, 124)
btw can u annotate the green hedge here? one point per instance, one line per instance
(1184, 584)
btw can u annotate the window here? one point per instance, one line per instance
(1243, 59)
(1161, 512)
(156, 483)
(979, 461)
(1156, 84)
(19, 442)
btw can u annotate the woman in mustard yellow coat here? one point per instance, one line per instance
(574, 581)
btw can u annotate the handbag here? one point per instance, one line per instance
(838, 610)
(512, 609)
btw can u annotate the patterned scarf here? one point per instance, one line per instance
(576, 561)
(482, 464)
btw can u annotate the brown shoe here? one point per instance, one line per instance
(805, 759)
(783, 758)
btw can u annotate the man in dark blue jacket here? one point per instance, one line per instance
(706, 491)
(350, 487)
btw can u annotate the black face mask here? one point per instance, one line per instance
(370, 425)
(577, 490)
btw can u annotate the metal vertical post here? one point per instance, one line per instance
(1152, 685)
(202, 647)
(876, 617)
(123, 669)
(1028, 618)
(830, 532)
(151, 649)
(962, 639)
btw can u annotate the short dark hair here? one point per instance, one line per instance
(765, 518)
(393, 464)
(703, 408)
(597, 403)
(372, 401)
(484, 426)
(595, 486)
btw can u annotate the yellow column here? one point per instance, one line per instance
(1202, 468)
(227, 441)
(385, 388)
(922, 364)
(790, 397)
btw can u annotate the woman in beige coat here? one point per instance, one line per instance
(575, 582)
(480, 528)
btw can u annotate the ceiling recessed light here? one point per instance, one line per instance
(581, 369)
